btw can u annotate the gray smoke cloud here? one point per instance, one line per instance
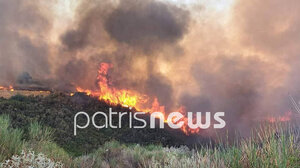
(276, 35)
(147, 25)
(235, 86)
(251, 85)
(22, 47)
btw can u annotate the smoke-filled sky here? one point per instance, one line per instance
(237, 56)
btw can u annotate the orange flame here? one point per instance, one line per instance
(130, 98)
(285, 118)
(9, 88)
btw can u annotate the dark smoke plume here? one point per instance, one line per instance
(147, 24)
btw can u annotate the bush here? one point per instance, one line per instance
(38, 133)
(29, 159)
(113, 154)
(53, 151)
(269, 147)
(40, 140)
(10, 139)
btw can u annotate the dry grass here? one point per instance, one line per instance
(8, 94)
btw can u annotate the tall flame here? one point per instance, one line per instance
(131, 98)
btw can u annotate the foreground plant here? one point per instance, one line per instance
(10, 139)
(28, 159)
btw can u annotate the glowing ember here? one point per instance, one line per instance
(87, 92)
(10, 88)
(130, 98)
(285, 118)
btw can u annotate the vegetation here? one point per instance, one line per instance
(30, 159)
(57, 112)
(269, 147)
(10, 139)
(36, 144)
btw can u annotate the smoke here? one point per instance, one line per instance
(275, 34)
(232, 85)
(147, 25)
(249, 65)
(240, 57)
(22, 43)
(129, 31)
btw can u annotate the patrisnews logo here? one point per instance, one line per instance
(175, 120)
(295, 104)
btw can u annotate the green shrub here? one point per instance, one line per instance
(40, 140)
(38, 133)
(10, 139)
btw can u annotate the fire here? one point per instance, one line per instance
(9, 88)
(130, 98)
(126, 98)
(285, 118)
(86, 91)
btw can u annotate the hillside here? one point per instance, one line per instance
(57, 111)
